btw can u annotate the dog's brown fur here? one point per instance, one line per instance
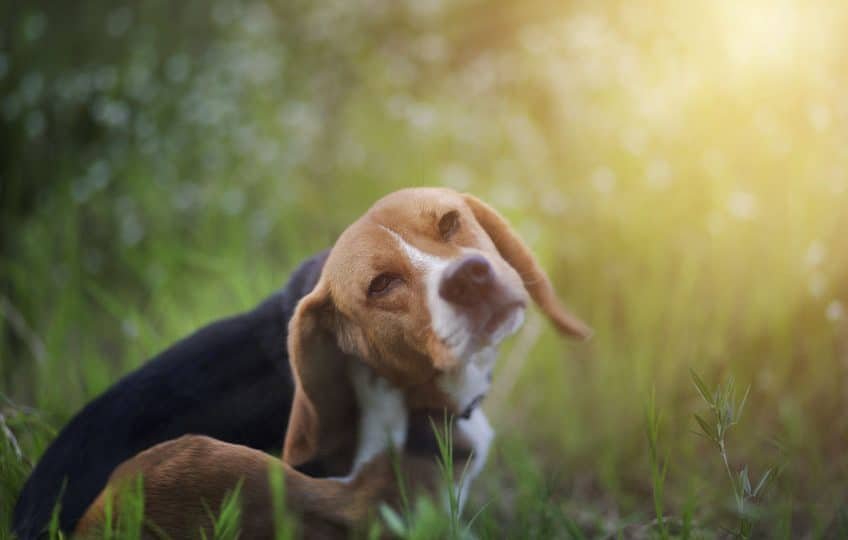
(186, 480)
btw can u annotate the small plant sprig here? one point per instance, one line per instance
(659, 466)
(725, 413)
(227, 524)
(425, 520)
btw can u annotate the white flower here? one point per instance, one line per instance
(819, 116)
(835, 311)
(233, 201)
(129, 328)
(742, 205)
(119, 21)
(457, 176)
(815, 254)
(603, 180)
(658, 174)
(817, 285)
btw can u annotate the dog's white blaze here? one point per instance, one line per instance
(444, 318)
(383, 416)
(480, 433)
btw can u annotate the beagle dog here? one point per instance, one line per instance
(405, 320)
(421, 289)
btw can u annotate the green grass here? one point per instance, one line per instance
(163, 167)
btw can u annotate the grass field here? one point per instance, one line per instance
(680, 169)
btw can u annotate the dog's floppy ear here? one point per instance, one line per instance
(518, 255)
(322, 394)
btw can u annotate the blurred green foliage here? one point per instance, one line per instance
(680, 168)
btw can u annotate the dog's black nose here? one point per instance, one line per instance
(467, 281)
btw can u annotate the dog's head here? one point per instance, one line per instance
(422, 289)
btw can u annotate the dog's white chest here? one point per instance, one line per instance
(383, 417)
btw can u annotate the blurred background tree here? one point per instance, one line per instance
(681, 168)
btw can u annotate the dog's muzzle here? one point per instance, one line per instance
(472, 287)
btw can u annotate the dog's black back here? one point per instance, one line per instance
(230, 380)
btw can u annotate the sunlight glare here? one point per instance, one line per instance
(763, 34)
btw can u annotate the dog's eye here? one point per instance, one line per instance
(449, 224)
(382, 284)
